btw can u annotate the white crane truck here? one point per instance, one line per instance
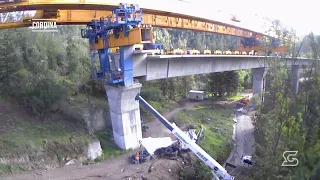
(218, 171)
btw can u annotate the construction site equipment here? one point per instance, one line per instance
(195, 137)
(122, 29)
(165, 147)
(153, 48)
(236, 52)
(217, 169)
(234, 18)
(174, 51)
(114, 50)
(192, 51)
(207, 51)
(253, 45)
(196, 95)
(217, 52)
(245, 100)
(138, 47)
(140, 157)
(247, 160)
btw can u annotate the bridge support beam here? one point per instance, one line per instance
(258, 77)
(125, 115)
(295, 76)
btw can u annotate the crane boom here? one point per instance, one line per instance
(217, 169)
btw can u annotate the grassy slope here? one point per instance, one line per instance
(24, 135)
(216, 139)
(29, 138)
(217, 136)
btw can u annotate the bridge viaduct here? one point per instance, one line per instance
(124, 109)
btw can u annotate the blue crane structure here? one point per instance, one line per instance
(123, 19)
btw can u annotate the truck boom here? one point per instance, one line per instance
(197, 150)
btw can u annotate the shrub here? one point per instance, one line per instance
(45, 94)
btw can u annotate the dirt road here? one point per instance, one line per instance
(120, 168)
(114, 169)
(244, 138)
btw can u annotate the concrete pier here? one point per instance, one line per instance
(258, 77)
(125, 115)
(295, 76)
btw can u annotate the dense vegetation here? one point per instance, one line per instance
(289, 122)
(39, 69)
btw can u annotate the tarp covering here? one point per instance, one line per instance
(152, 144)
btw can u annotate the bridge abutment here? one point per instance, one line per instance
(295, 76)
(125, 115)
(258, 77)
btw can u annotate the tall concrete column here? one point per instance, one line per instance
(295, 76)
(125, 115)
(258, 77)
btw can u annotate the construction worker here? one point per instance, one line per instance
(137, 158)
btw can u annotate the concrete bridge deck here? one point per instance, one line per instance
(166, 66)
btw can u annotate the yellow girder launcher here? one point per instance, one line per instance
(136, 36)
(83, 11)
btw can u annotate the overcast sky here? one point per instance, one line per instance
(301, 16)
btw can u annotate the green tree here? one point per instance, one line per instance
(10, 61)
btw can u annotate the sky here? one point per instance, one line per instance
(300, 15)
